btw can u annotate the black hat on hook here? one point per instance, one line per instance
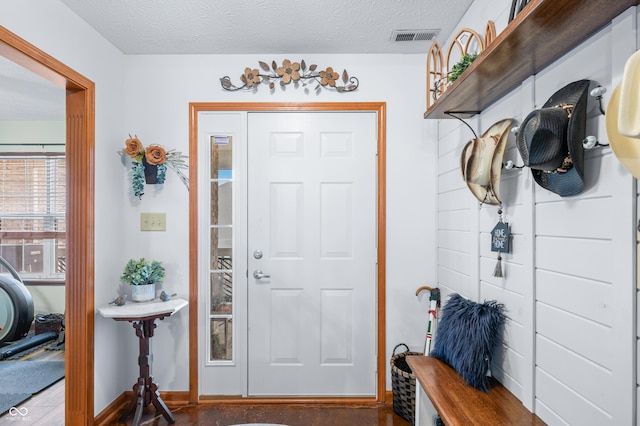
(550, 140)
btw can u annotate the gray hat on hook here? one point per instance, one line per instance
(550, 140)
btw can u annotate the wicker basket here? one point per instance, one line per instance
(403, 385)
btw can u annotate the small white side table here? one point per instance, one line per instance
(143, 316)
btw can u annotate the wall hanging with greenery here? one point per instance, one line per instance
(150, 164)
(288, 72)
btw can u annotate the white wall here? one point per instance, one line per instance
(569, 282)
(33, 132)
(158, 90)
(47, 299)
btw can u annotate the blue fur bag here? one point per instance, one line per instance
(468, 334)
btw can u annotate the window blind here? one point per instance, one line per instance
(32, 197)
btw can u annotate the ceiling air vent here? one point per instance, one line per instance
(414, 35)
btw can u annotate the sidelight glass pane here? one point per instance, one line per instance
(221, 156)
(220, 246)
(221, 293)
(221, 206)
(221, 339)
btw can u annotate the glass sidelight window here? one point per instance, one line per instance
(221, 249)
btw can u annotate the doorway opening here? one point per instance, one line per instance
(79, 153)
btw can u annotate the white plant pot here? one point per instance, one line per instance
(143, 293)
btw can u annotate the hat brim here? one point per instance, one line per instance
(490, 194)
(625, 148)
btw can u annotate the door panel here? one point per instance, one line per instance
(312, 235)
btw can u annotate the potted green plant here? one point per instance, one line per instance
(465, 62)
(143, 275)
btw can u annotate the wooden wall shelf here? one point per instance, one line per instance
(544, 31)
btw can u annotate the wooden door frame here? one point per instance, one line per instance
(194, 109)
(79, 286)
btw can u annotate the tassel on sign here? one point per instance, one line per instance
(497, 272)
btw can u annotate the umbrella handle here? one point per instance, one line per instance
(424, 287)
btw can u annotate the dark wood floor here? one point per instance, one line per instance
(47, 409)
(290, 415)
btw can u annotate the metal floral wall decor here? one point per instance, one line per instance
(296, 72)
(150, 164)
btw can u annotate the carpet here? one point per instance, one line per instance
(8, 400)
(26, 378)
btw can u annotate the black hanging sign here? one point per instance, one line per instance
(500, 238)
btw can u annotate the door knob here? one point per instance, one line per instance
(258, 275)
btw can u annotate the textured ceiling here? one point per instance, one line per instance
(266, 26)
(234, 27)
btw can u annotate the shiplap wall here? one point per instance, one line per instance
(569, 285)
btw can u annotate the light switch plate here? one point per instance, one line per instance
(153, 221)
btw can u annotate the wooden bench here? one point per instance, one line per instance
(460, 404)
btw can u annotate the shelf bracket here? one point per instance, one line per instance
(456, 116)
(468, 114)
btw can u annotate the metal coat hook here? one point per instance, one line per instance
(591, 142)
(597, 93)
(508, 165)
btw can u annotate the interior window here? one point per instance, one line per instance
(32, 214)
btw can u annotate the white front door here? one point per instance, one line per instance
(312, 247)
